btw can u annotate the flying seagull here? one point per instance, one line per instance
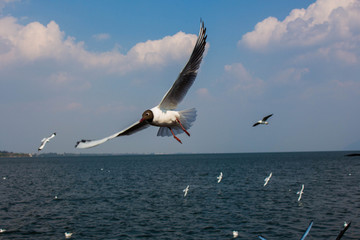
(171, 122)
(346, 226)
(68, 235)
(263, 121)
(307, 230)
(220, 177)
(45, 140)
(267, 179)
(235, 234)
(186, 190)
(300, 192)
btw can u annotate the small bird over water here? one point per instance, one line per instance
(171, 122)
(300, 192)
(263, 121)
(68, 235)
(186, 190)
(267, 179)
(220, 177)
(45, 140)
(235, 234)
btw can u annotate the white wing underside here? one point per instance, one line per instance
(42, 145)
(127, 131)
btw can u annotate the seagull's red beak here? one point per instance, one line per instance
(141, 120)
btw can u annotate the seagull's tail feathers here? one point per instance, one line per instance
(187, 117)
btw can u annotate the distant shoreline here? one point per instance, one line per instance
(6, 154)
(14, 155)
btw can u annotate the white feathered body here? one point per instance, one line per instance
(168, 118)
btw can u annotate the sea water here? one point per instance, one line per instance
(141, 196)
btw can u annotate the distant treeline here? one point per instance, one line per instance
(11, 154)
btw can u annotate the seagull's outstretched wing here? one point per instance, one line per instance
(128, 131)
(266, 118)
(255, 124)
(343, 231)
(262, 238)
(187, 76)
(52, 136)
(43, 142)
(307, 231)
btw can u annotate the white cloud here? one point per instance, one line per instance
(4, 2)
(35, 41)
(101, 36)
(203, 92)
(290, 75)
(239, 79)
(73, 106)
(323, 22)
(66, 80)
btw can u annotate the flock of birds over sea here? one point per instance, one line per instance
(300, 193)
(172, 122)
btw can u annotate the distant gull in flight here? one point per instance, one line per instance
(235, 234)
(2, 230)
(300, 192)
(45, 140)
(186, 190)
(267, 179)
(171, 122)
(346, 226)
(263, 121)
(220, 177)
(68, 235)
(307, 230)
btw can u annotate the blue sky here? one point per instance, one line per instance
(87, 69)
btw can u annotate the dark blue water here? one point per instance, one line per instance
(141, 197)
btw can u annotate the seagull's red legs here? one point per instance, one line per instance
(183, 127)
(175, 136)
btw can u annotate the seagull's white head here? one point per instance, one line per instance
(147, 116)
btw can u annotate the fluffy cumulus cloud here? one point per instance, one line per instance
(335, 23)
(35, 41)
(290, 75)
(239, 79)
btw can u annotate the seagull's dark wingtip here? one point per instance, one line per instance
(81, 141)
